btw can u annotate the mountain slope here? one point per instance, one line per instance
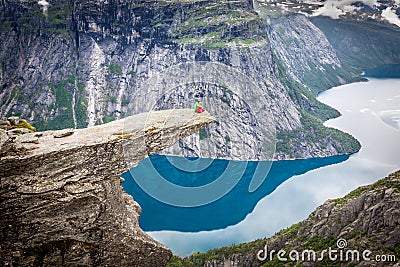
(82, 63)
(366, 218)
(363, 44)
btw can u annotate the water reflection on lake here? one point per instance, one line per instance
(293, 199)
(226, 211)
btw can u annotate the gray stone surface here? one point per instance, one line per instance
(62, 203)
(18, 131)
(63, 133)
(5, 123)
(28, 138)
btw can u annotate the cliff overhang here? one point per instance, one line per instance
(62, 202)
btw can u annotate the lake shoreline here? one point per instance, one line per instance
(359, 102)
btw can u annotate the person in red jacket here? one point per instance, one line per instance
(198, 107)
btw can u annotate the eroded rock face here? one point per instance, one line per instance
(367, 218)
(62, 202)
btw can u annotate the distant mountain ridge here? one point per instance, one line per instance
(382, 11)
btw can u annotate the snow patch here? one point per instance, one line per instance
(44, 4)
(390, 15)
(329, 9)
(334, 8)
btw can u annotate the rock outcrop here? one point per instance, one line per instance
(365, 219)
(61, 198)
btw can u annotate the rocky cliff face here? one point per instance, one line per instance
(306, 44)
(81, 63)
(364, 44)
(367, 219)
(62, 203)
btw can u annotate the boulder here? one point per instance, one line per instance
(5, 122)
(28, 138)
(63, 133)
(13, 120)
(18, 131)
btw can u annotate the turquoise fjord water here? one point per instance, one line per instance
(228, 210)
(383, 71)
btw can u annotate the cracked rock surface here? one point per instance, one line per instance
(61, 198)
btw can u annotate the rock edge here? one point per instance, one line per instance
(62, 202)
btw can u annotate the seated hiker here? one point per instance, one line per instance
(198, 107)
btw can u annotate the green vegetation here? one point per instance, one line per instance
(63, 91)
(124, 101)
(313, 114)
(216, 25)
(219, 254)
(307, 101)
(107, 119)
(23, 124)
(379, 185)
(114, 68)
(290, 232)
(318, 80)
(227, 139)
(60, 14)
(176, 261)
(296, 237)
(57, 19)
(317, 243)
(313, 132)
(108, 98)
(203, 134)
(5, 26)
(352, 195)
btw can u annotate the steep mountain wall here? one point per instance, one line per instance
(62, 203)
(82, 63)
(362, 44)
(296, 40)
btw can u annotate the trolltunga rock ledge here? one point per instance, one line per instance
(61, 198)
